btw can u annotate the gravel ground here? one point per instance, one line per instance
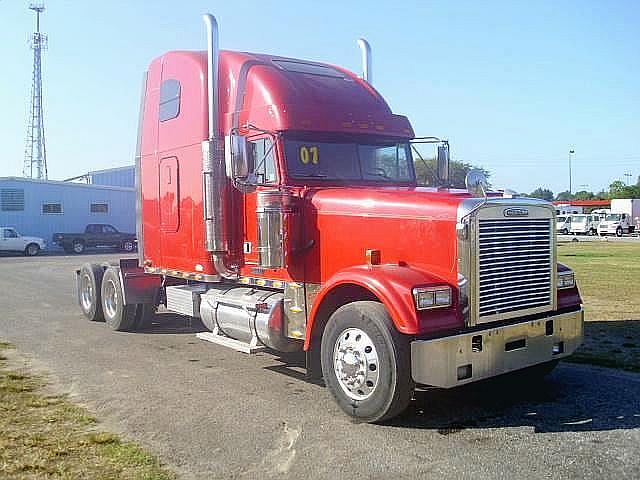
(210, 412)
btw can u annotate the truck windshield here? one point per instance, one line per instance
(613, 217)
(579, 219)
(388, 162)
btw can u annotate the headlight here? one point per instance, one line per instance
(432, 297)
(566, 279)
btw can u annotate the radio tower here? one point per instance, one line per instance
(35, 153)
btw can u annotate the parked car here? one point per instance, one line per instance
(96, 235)
(12, 241)
(563, 224)
(584, 224)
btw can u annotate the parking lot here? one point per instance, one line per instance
(210, 412)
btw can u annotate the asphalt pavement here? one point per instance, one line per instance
(210, 412)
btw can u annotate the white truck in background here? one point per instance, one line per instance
(12, 241)
(625, 214)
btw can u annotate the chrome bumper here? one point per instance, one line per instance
(451, 361)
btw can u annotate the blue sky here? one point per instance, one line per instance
(513, 85)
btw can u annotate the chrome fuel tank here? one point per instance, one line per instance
(247, 314)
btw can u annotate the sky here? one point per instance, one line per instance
(514, 85)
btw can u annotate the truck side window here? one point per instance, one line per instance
(169, 100)
(9, 233)
(262, 158)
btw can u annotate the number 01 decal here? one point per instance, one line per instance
(309, 154)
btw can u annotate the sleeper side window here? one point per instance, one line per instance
(169, 100)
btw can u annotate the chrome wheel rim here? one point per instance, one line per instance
(77, 247)
(128, 246)
(86, 292)
(355, 364)
(110, 299)
(32, 249)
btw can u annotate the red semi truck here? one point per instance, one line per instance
(277, 202)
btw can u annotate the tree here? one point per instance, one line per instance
(583, 195)
(426, 172)
(564, 196)
(543, 193)
(619, 190)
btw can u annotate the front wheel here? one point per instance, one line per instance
(128, 246)
(366, 362)
(619, 232)
(32, 250)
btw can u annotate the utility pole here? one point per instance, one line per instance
(571, 152)
(35, 154)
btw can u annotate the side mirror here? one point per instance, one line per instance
(236, 156)
(442, 164)
(476, 182)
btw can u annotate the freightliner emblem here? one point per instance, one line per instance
(516, 212)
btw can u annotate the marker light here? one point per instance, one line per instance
(432, 297)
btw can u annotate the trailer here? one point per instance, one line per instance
(278, 203)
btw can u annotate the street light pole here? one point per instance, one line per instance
(571, 152)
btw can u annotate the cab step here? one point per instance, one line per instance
(225, 341)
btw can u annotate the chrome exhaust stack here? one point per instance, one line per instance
(365, 49)
(214, 179)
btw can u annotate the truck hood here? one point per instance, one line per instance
(37, 240)
(411, 225)
(414, 226)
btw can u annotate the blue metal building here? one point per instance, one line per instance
(42, 207)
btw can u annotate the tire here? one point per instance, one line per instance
(78, 246)
(145, 313)
(382, 387)
(89, 291)
(619, 232)
(118, 316)
(128, 246)
(564, 231)
(32, 250)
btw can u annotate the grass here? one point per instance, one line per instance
(45, 436)
(608, 275)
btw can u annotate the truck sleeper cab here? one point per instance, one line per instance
(278, 203)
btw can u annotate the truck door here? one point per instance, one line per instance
(262, 162)
(10, 240)
(110, 236)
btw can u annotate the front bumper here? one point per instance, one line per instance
(451, 361)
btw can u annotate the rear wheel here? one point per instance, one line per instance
(32, 250)
(89, 285)
(119, 317)
(78, 246)
(366, 362)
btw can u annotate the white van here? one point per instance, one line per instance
(584, 224)
(563, 224)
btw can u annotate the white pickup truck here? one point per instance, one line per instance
(12, 241)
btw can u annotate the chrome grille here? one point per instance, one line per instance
(515, 265)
